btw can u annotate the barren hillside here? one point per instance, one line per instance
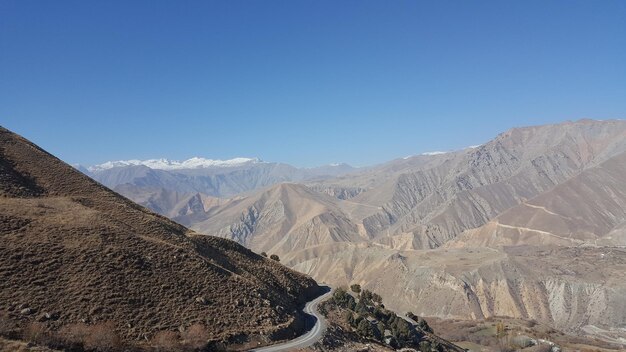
(72, 251)
(522, 205)
(588, 209)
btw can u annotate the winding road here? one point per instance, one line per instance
(310, 337)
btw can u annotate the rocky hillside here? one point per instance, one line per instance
(74, 252)
(280, 219)
(426, 201)
(587, 209)
(567, 288)
(514, 227)
(465, 189)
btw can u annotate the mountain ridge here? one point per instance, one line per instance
(405, 227)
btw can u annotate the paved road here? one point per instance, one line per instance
(310, 337)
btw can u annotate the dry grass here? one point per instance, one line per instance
(6, 325)
(103, 338)
(195, 337)
(100, 337)
(72, 247)
(165, 341)
(37, 333)
(483, 333)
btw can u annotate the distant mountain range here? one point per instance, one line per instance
(514, 227)
(165, 164)
(148, 179)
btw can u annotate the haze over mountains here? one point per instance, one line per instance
(161, 184)
(517, 226)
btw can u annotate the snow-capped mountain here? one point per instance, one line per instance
(217, 178)
(166, 164)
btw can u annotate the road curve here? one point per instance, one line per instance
(310, 337)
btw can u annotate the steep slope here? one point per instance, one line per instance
(279, 220)
(428, 200)
(588, 209)
(169, 203)
(567, 288)
(470, 187)
(75, 250)
(565, 179)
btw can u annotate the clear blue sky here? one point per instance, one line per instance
(303, 82)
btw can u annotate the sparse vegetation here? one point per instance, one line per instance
(275, 257)
(102, 337)
(367, 316)
(132, 279)
(195, 337)
(421, 323)
(6, 325)
(515, 335)
(99, 337)
(37, 333)
(165, 341)
(356, 288)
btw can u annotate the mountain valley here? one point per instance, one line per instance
(514, 227)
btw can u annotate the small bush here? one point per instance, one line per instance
(7, 327)
(377, 298)
(343, 299)
(425, 346)
(275, 257)
(74, 334)
(195, 337)
(166, 341)
(37, 333)
(366, 296)
(102, 338)
(356, 288)
(531, 323)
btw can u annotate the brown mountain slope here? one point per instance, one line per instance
(280, 219)
(435, 198)
(588, 209)
(74, 249)
(568, 288)
(574, 170)
(169, 203)
(425, 201)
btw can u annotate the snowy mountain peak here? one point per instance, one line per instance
(166, 164)
(434, 153)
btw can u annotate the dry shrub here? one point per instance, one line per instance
(195, 337)
(541, 348)
(37, 333)
(7, 327)
(74, 334)
(166, 341)
(531, 323)
(100, 337)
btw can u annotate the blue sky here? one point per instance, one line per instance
(303, 82)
